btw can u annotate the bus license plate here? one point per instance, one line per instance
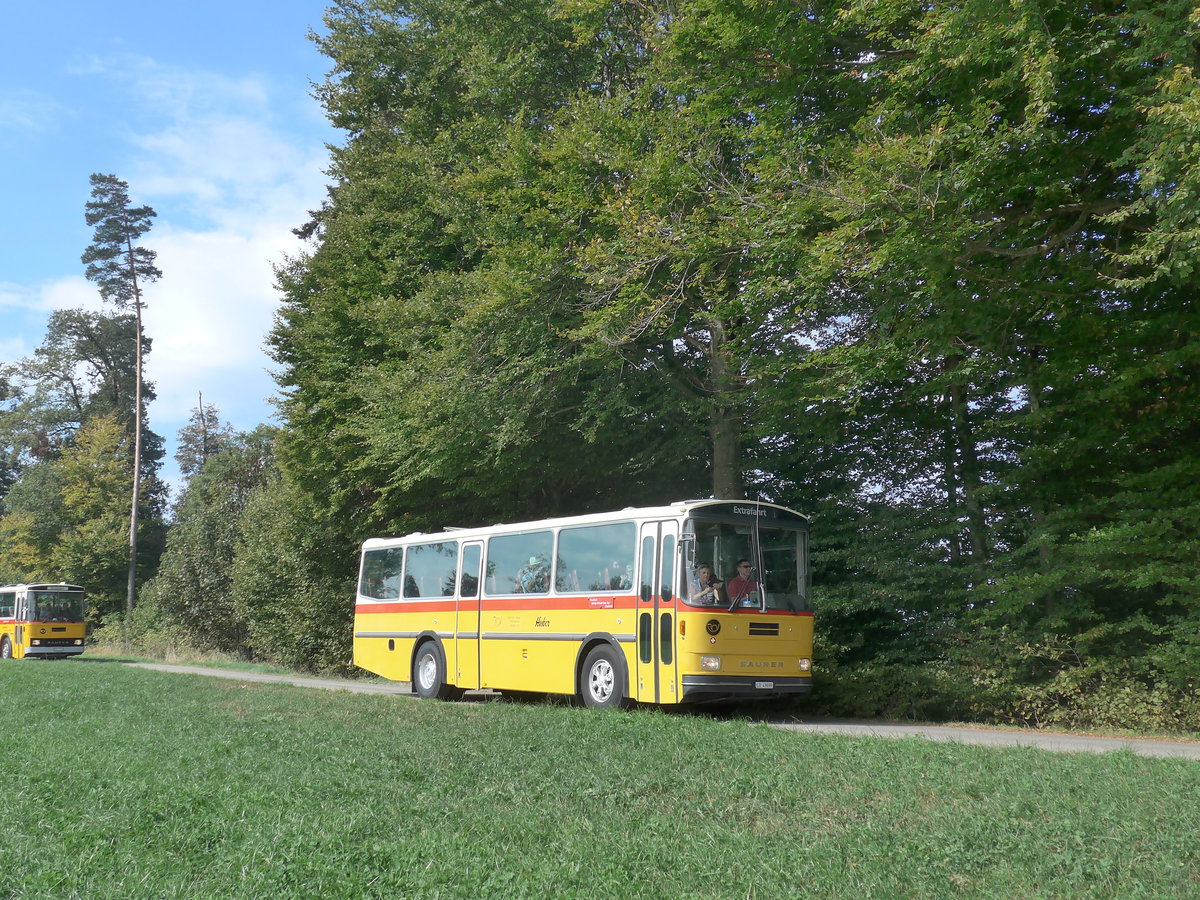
(764, 685)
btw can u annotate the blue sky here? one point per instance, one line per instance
(205, 110)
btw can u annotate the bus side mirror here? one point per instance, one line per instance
(687, 547)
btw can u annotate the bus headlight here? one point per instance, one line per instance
(710, 663)
(78, 642)
(35, 643)
(805, 664)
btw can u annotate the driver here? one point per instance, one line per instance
(743, 588)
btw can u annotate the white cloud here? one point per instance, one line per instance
(28, 111)
(171, 89)
(68, 292)
(231, 169)
(209, 317)
(231, 165)
(14, 348)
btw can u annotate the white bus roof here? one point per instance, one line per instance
(679, 509)
(42, 586)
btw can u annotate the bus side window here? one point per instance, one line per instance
(381, 573)
(668, 569)
(425, 568)
(469, 585)
(520, 563)
(596, 558)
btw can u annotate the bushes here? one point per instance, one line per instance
(998, 676)
(251, 569)
(293, 582)
(1103, 678)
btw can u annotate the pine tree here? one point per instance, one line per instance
(119, 268)
(202, 438)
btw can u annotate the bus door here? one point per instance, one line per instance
(655, 680)
(22, 619)
(469, 616)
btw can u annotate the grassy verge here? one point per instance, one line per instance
(133, 783)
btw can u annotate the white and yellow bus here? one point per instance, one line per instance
(41, 621)
(610, 608)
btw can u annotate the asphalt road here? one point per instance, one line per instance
(992, 737)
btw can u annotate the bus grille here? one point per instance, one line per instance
(767, 628)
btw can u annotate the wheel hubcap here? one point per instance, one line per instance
(426, 671)
(601, 681)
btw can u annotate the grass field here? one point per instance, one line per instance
(131, 783)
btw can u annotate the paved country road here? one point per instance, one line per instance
(992, 737)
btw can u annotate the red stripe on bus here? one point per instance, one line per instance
(526, 604)
(507, 604)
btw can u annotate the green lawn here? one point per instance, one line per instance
(132, 783)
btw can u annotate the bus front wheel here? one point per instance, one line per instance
(603, 682)
(429, 674)
(5, 648)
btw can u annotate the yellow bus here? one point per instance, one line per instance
(697, 601)
(41, 621)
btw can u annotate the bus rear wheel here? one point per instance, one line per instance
(5, 648)
(602, 685)
(429, 674)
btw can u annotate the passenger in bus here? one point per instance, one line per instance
(743, 589)
(535, 577)
(708, 589)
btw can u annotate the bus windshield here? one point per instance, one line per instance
(759, 566)
(56, 606)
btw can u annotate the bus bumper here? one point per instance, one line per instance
(701, 688)
(51, 652)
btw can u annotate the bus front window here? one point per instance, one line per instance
(756, 567)
(57, 606)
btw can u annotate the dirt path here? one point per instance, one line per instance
(992, 737)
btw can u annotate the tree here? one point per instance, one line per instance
(1004, 267)
(193, 584)
(95, 479)
(119, 269)
(293, 580)
(927, 270)
(425, 345)
(85, 367)
(202, 438)
(64, 518)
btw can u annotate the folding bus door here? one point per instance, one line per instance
(20, 633)
(656, 677)
(467, 621)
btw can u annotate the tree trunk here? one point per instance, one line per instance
(131, 587)
(726, 425)
(962, 462)
(968, 468)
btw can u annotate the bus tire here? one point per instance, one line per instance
(602, 681)
(5, 648)
(429, 674)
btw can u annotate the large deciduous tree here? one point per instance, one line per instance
(927, 270)
(426, 345)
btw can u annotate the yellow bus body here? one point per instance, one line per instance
(669, 650)
(526, 660)
(29, 631)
